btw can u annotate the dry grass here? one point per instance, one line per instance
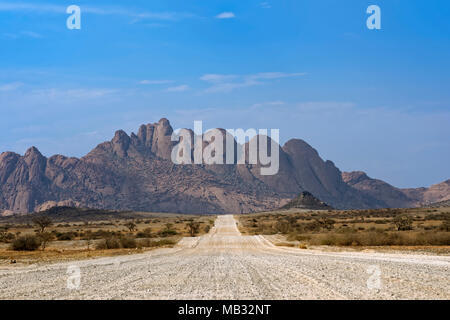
(357, 228)
(80, 239)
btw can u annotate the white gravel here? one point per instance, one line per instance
(226, 265)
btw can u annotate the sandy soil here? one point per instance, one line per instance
(226, 265)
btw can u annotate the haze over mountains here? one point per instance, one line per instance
(136, 173)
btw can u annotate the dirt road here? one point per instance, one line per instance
(226, 265)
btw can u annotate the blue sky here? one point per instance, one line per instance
(371, 100)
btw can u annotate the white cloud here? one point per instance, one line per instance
(149, 82)
(31, 34)
(265, 5)
(43, 8)
(227, 83)
(183, 87)
(22, 34)
(71, 94)
(226, 15)
(110, 10)
(10, 86)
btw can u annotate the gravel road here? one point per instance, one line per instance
(226, 265)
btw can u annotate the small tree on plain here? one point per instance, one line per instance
(42, 223)
(45, 238)
(131, 226)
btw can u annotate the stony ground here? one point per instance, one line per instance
(226, 265)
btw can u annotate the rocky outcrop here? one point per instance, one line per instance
(135, 172)
(306, 201)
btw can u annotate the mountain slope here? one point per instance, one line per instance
(135, 172)
(395, 197)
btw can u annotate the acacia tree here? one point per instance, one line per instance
(42, 222)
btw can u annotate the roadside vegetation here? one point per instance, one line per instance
(53, 234)
(382, 227)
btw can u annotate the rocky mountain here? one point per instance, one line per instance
(396, 197)
(440, 204)
(436, 193)
(306, 201)
(135, 172)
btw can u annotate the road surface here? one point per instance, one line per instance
(226, 265)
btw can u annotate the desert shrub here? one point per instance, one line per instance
(381, 239)
(7, 237)
(167, 233)
(148, 243)
(109, 243)
(45, 238)
(66, 236)
(26, 243)
(207, 228)
(193, 228)
(146, 233)
(403, 222)
(326, 223)
(128, 243)
(445, 226)
(282, 227)
(298, 237)
(346, 230)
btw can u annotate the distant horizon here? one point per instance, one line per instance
(376, 101)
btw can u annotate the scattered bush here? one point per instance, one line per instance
(381, 239)
(146, 233)
(167, 233)
(128, 243)
(403, 222)
(66, 236)
(108, 243)
(148, 243)
(26, 243)
(193, 228)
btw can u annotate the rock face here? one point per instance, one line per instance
(425, 196)
(306, 201)
(391, 196)
(440, 204)
(136, 173)
(395, 197)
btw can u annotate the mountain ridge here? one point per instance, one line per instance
(134, 172)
